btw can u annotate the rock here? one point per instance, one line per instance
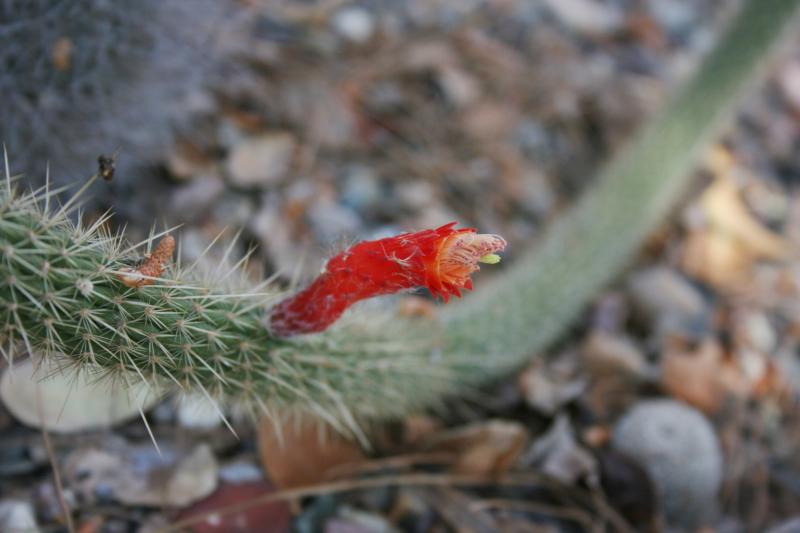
(195, 411)
(240, 472)
(661, 290)
(192, 200)
(138, 475)
(676, 16)
(460, 87)
(788, 526)
(331, 222)
(671, 304)
(361, 189)
(354, 23)
(261, 161)
(789, 81)
(17, 515)
(616, 369)
(70, 402)
(194, 477)
(587, 16)
(678, 448)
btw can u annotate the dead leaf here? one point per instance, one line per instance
(694, 376)
(483, 448)
(61, 54)
(723, 250)
(302, 452)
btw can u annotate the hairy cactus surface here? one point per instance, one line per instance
(81, 78)
(63, 289)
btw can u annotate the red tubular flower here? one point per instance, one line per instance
(440, 259)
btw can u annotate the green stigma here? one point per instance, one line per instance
(490, 259)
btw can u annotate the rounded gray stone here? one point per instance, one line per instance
(677, 446)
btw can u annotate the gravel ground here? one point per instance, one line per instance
(671, 405)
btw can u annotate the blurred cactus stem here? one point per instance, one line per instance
(62, 291)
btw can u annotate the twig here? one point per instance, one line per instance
(52, 457)
(573, 515)
(419, 480)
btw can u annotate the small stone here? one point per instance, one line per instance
(587, 16)
(194, 478)
(354, 23)
(661, 290)
(361, 189)
(331, 221)
(678, 448)
(461, 88)
(676, 16)
(788, 526)
(70, 402)
(240, 472)
(193, 199)
(17, 515)
(261, 161)
(195, 411)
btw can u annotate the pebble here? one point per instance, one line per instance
(261, 161)
(192, 200)
(354, 23)
(361, 189)
(240, 471)
(141, 476)
(332, 222)
(195, 411)
(587, 16)
(659, 291)
(678, 448)
(676, 16)
(70, 402)
(788, 526)
(17, 515)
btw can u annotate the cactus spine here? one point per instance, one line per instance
(60, 290)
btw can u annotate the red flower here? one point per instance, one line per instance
(440, 259)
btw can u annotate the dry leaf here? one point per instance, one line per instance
(484, 448)
(303, 452)
(61, 54)
(722, 252)
(694, 376)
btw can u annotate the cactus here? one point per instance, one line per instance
(63, 289)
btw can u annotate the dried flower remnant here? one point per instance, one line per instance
(440, 260)
(152, 267)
